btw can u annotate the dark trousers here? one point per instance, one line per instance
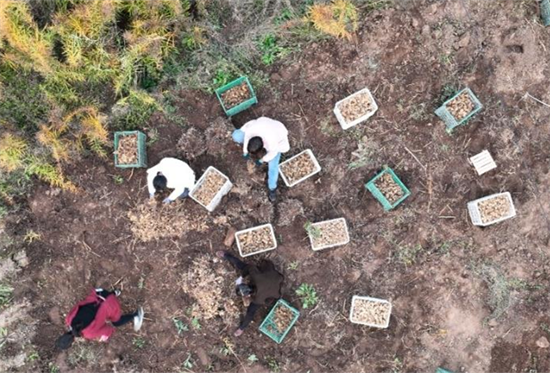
(235, 261)
(124, 319)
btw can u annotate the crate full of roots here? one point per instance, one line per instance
(210, 188)
(130, 149)
(459, 109)
(369, 311)
(327, 234)
(279, 321)
(299, 168)
(388, 189)
(256, 240)
(236, 96)
(355, 109)
(491, 209)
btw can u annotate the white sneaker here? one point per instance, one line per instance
(138, 319)
(117, 293)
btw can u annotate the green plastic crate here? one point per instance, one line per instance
(243, 105)
(545, 12)
(449, 119)
(371, 187)
(268, 325)
(142, 149)
(442, 370)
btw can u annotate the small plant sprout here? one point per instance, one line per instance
(118, 179)
(188, 363)
(293, 265)
(308, 295)
(273, 364)
(252, 359)
(5, 294)
(180, 326)
(313, 231)
(139, 342)
(195, 323)
(31, 236)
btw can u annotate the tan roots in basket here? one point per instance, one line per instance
(298, 168)
(152, 222)
(494, 208)
(256, 240)
(127, 150)
(235, 95)
(282, 318)
(210, 186)
(329, 233)
(389, 188)
(356, 107)
(370, 312)
(207, 283)
(461, 106)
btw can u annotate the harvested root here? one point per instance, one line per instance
(210, 186)
(282, 318)
(461, 106)
(255, 240)
(356, 107)
(127, 150)
(236, 95)
(370, 312)
(389, 188)
(494, 208)
(329, 233)
(298, 168)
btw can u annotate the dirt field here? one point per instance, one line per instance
(466, 298)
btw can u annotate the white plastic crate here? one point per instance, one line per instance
(252, 229)
(319, 224)
(345, 125)
(356, 297)
(475, 215)
(313, 159)
(218, 197)
(483, 162)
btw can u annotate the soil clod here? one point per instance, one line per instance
(298, 168)
(356, 107)
(236, 95)
(255, 240)
(461, 106)
(127, 150)
(494, 208)
(389, 188)
(370, 312)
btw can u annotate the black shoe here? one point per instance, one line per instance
(272, 195)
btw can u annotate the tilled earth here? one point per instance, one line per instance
(465, 298)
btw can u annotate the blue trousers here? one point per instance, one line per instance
(272, 166)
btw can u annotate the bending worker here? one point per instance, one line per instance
(268, 136)
(263, 287)
(171, 173)
(96, 318)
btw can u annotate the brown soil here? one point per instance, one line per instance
(255, 240)
(210, 186)
(127, 150)
(298, 168)
(389, 188)
(329, 233)
(461, 106)
(236, 95)
(372, 312)
(494, 208)
(282, 318)
(356, 107)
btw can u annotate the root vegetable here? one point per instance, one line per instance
(461, 106)
(356, 107)
(282, 317)
(236, 95)
(389, 188)
(298, 168)
(329, 233)
(127, 150)
(255, 240)
(211, 185)
(494, 208)
(370, 312)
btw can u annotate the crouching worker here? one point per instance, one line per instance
(171, 173)
(269, 136)
(263, 287)
(96, 317)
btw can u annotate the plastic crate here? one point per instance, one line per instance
(371, 187)
(442, 370)
(545, 12)
(483, 162)
(313, 159)
(356, 297)
(329, 245)
(218, 197)
(475, 215)
(449, 119)
(243, 105)
(251, 229)
(142, 149)
(342, 121)
(268, 325)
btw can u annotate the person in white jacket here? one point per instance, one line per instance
(171, 173)
(270, 136)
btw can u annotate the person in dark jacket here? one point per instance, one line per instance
(96, 318)
(263, 287)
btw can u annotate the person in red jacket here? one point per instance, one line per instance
(96, 318)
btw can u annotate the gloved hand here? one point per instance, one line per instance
(238, 332)
(239, 281)
(167, 201)
(259, 162)
(246, 156)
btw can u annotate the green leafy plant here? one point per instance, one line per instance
(180, 326)
(252, 359)
(118, 179)
(221, 78)
(273, 364)
(139, 342)
(294, 265)
(195, 323)
(6, 292)
(308, 295)
(188, 363)
(270, 49)
(312, 230)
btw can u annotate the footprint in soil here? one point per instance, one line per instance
(515, 48)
